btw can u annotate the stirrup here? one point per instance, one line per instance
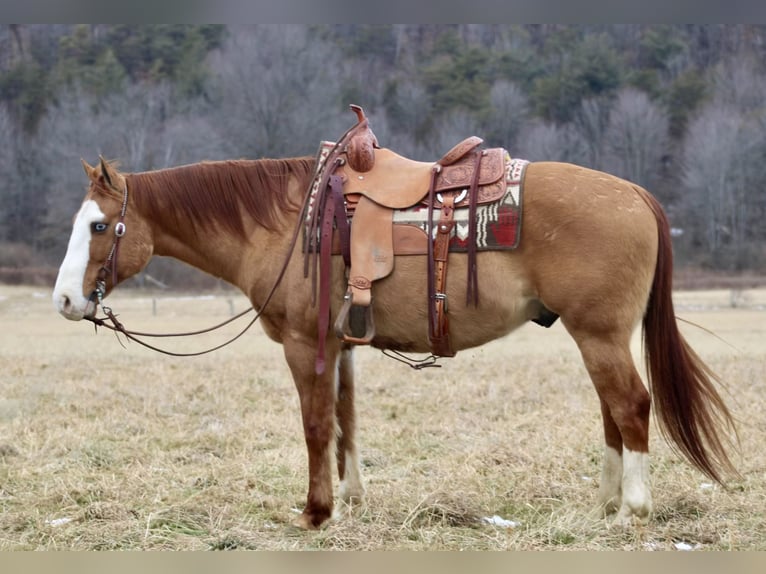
(355, 324)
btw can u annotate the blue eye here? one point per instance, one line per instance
(98, 227)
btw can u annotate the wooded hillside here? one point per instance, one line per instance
(679, 109)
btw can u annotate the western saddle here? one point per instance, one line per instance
(363, 183)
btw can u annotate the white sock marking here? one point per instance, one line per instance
(636, 496)
(610, 486)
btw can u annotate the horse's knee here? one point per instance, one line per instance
(318, 434)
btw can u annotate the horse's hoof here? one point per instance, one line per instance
(626, 519)
(304, 522)
(307, 521)
(609, 506)
(351, 493)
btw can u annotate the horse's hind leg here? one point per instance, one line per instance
(610, 485)
(351, 488)
(625, 405)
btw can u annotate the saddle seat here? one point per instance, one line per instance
(397, 182)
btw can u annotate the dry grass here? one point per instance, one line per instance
(109, 448)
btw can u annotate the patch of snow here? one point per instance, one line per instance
(500, 521)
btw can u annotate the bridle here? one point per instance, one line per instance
(110, 264)
(110, 267)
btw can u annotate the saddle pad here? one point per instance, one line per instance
(498, 224)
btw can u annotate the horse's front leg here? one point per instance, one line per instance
(317, 398)
(351, 486)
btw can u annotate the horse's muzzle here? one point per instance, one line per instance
(76, 310)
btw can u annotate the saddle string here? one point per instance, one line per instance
(472, 292)
(330, 165)
(325, 243)
(328, 209)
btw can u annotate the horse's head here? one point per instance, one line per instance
(109, 243)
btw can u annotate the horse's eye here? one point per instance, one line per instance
(98, 227)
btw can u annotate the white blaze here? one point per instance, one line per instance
(68, 295)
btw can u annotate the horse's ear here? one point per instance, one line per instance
(89, 171)
(107, 171)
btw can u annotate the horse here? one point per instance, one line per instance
(595, 250)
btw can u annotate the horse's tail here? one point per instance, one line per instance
(690, 412)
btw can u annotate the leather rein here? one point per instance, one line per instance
(113, 324)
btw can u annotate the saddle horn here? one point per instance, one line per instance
(360, 150)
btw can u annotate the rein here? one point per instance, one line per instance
(110, 266)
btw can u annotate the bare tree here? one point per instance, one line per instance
(150, 130)
(739, 82)
(449, 130)
(509, 113)
(723, 174)
(636, 139)
(550, 142)
(280, 91)
(9, 180)
(592, 123)
(69, 131)
(405, 120)
(137, 126)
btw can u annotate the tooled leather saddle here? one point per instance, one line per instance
(357, 187)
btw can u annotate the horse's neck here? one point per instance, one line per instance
(216, 255)
(220, 252)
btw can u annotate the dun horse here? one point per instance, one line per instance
(594, 250)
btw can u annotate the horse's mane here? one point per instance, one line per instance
(220, 193)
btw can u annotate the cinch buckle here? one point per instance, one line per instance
(458, 199)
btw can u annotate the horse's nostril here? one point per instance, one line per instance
(66, 303)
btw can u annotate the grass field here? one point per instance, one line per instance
(103, 447)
